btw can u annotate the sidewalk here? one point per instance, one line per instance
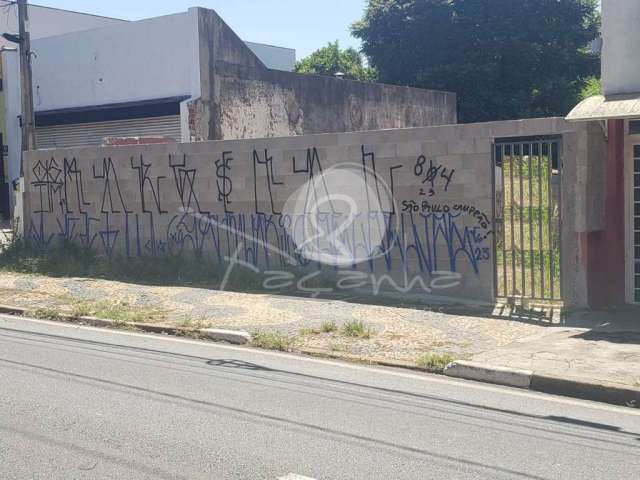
(590, 347)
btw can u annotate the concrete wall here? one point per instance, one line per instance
(621, 39)
(281, 103)
(364, 190)
(243, 99)
(416, 204)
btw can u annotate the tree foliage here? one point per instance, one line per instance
(504, 58)
(592, 87)
(331, 60)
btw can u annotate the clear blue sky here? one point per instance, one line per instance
(301, 24)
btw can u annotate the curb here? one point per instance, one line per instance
(237, 337)
(525, 379)
(12, 310)
(485, 373)
(319, 353)
(144, 327)
(595, 391)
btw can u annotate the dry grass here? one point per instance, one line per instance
(272, 341)
(435, 362)
(356, 328)
(118, 311)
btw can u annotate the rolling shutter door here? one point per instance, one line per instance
(91, 134)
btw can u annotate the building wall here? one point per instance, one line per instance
(13, 108)
(218, 199)
(243, 99)
(133, 61)
(5, 199)
(46, 22)
(277, 58)
(621, 37)
(82, 64)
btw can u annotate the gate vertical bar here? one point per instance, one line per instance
(560, 165)
(551, 210)
(530, 209)
(511, 209)
(523, 291)
(494, 163)
(504, 227)
(540, 223)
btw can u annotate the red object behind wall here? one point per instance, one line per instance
(606, 249)
(125, 141)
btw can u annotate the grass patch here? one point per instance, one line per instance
(119, 312)
(81, 309)
(328, 327)
(195, 324)
(356, 328)
(44, 313)
(121, 323)
(272, 341)
(305, 332)
(335, 347)
(325, 327)
(435, 362)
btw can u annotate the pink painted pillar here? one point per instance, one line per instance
(606, 249)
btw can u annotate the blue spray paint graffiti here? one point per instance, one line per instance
(163, 217)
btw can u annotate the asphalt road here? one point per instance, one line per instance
(82, 403)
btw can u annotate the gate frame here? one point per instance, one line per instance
(558, 139)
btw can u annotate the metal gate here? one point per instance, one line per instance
(527, 214)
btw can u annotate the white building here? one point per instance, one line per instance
(43, 22)
(47, 21)
(96, 77)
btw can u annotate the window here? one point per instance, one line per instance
(634, 127)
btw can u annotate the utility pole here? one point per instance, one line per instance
(26, 82)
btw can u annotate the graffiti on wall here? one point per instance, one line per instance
(375, 216)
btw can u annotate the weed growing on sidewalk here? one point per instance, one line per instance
(304, 332)
(356, 328)
(44, 313)
(123, 324)
(195, 324)
(328, 327)
(81, 309)
(116, 311)
(272, 341)
(435, 362)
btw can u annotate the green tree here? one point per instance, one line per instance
(331, 60)
(504, 58)
(592, 87)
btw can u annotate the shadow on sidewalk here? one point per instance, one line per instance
(622, 337)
